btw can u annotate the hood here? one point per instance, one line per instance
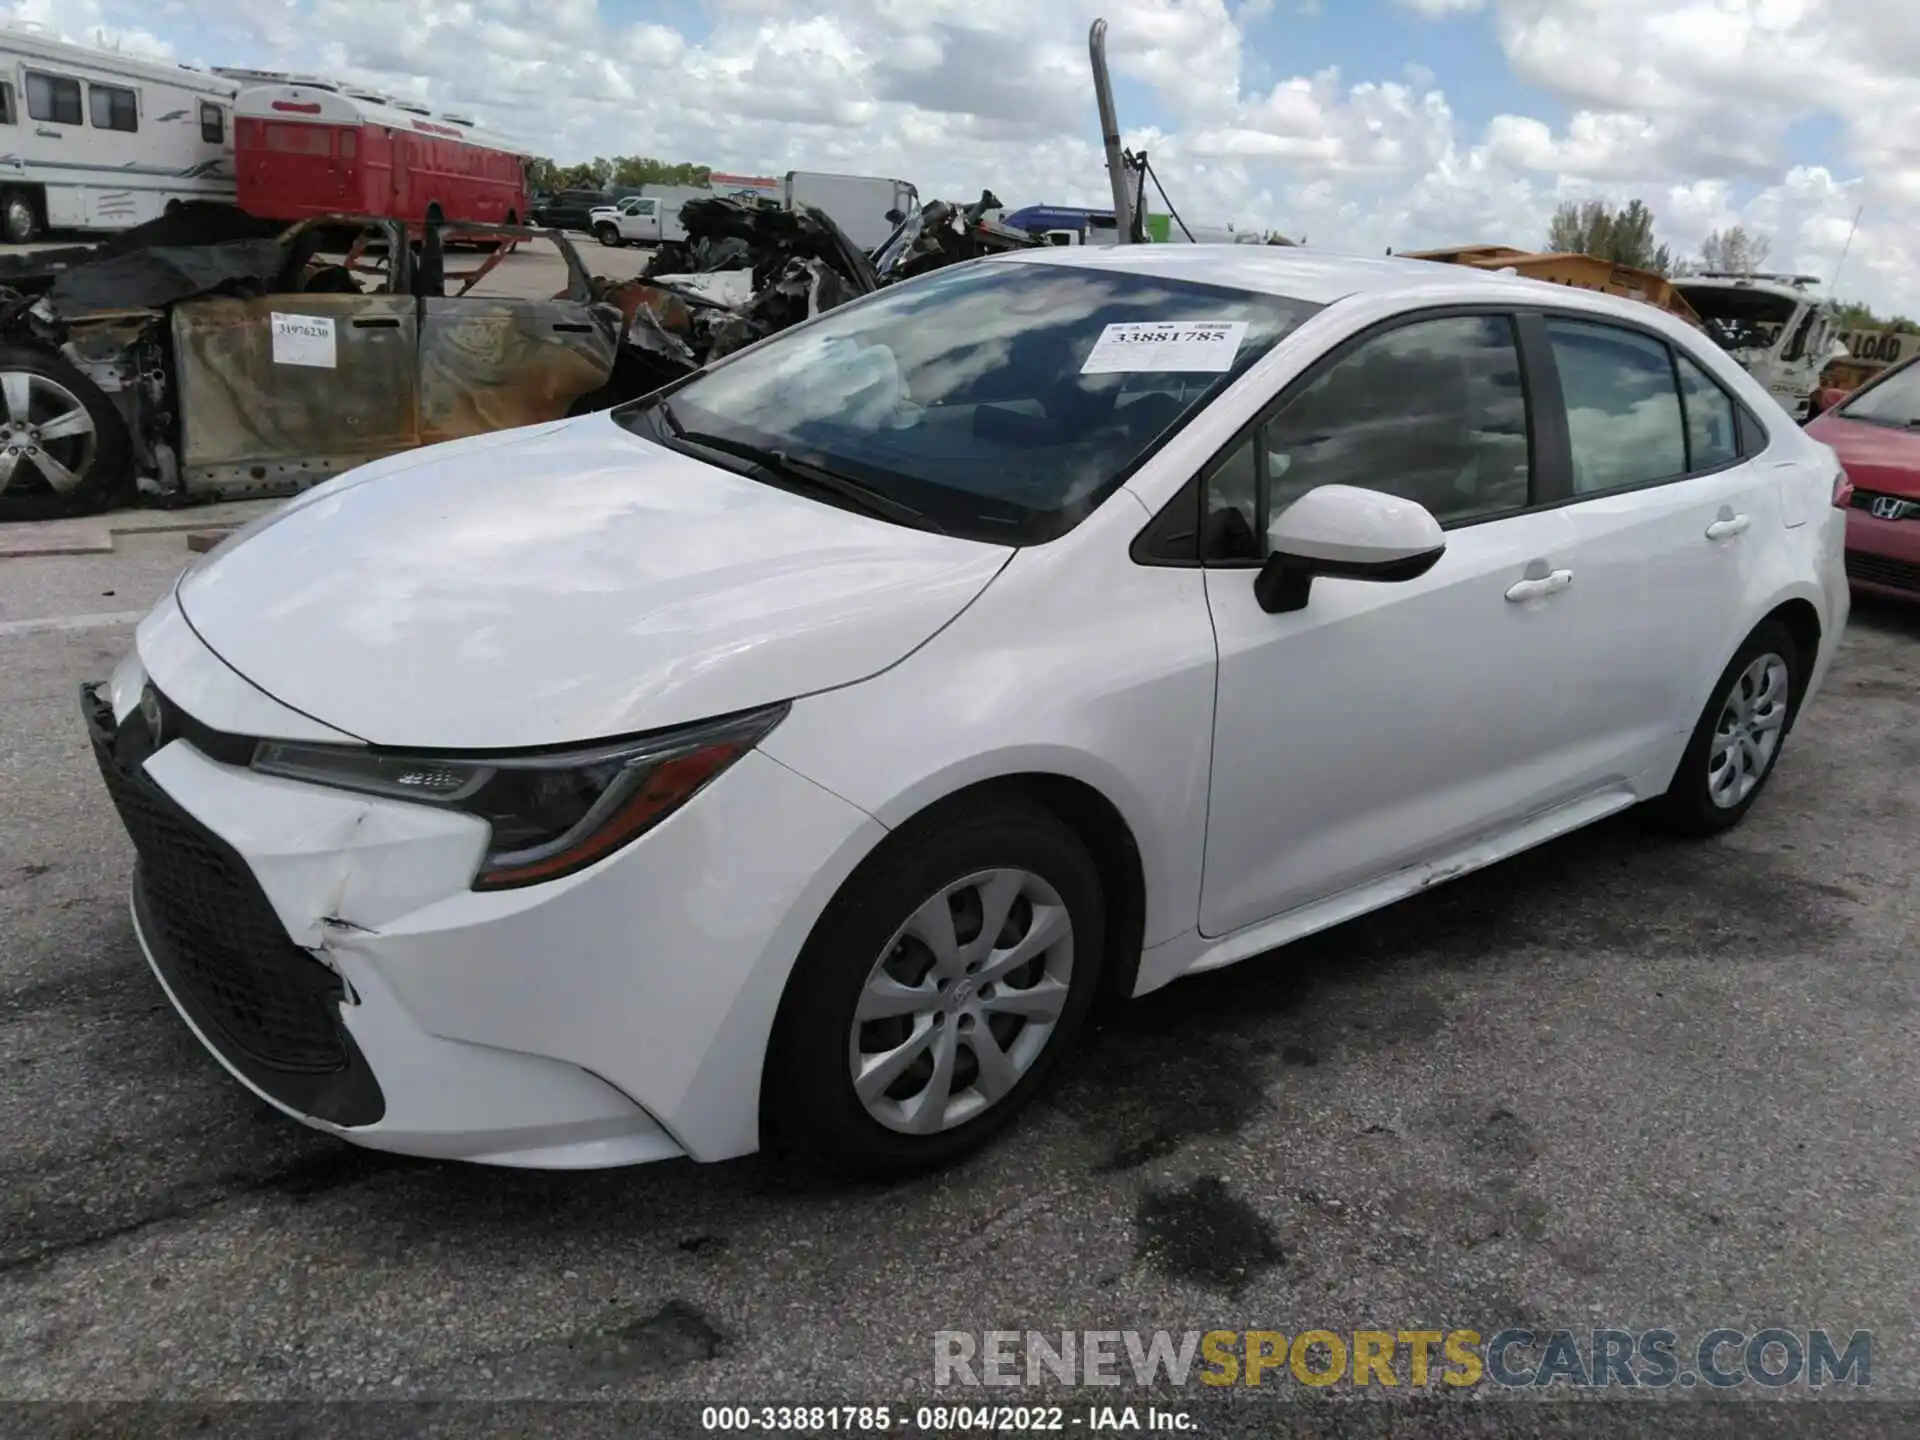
(1879, 458)
(569, 584)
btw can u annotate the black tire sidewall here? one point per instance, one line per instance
(7, 228)
(810, 1103)
(1688, 804)
(111, 478)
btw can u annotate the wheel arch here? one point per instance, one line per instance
(1098, 823)
(1093, 817)
(1802, 622)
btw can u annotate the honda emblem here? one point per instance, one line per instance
(1889, 507)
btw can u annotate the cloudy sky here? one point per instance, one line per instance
(1360, 124)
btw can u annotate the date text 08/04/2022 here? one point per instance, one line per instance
(942, 1419)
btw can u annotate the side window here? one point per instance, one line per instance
(53, 98)
(1623, 407)
(1432, 411)
(8, 115)
(1713, 437)
(114, 107)
(213, 123)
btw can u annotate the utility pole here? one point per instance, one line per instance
(1117, 168)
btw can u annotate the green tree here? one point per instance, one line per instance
(626, 171)
(1624, 236)
(1735, 251)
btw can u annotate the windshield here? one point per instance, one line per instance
(1740, 318)
(1893, 400)
(1001, 401)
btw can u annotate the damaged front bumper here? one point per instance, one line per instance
(329, 949)
(313, 1028)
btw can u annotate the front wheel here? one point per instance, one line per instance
(607, 235)
(63, 446)
(1737, 741)
(939, 988)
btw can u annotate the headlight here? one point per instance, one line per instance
(551, 813)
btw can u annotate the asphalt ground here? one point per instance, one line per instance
(1621, 1081)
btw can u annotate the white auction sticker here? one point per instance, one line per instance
(303, 340)
(1165, 345)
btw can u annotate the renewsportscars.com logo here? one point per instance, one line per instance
(1773, 1358)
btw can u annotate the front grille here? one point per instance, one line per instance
(1879, 570)
(267, 1005)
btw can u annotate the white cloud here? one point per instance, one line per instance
(1688, 104)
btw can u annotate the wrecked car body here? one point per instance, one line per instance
(942, 233)
(259, 364)
(749, 268)
(1774, 326)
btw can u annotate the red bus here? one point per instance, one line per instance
(309, 149)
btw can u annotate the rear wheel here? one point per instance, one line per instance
(937, 991)
(63, 446)
(1737, 742)
(19, 218)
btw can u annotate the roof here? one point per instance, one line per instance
(1779, 286)
(323, 104)
(28, 38)
(1316, 276)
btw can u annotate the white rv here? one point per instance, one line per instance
(95, 140)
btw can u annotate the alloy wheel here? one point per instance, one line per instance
(44, 430)
(1747, 735)
(962, 1001)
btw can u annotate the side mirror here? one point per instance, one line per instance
(1346, 533)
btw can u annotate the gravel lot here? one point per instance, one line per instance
(1619, 1081)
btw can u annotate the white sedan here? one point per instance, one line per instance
(799, 752)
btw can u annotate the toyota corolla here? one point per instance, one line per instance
(798, 753)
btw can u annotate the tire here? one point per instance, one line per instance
(971, 854)
(19, 217)
(608, 235)
(1757, 696)
(97, 456)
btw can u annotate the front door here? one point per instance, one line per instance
(1387, 723)
(293, 387)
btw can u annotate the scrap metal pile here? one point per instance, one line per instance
(749, 268)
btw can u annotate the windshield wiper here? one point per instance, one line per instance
(801, 472)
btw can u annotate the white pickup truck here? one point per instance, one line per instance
(639, 220)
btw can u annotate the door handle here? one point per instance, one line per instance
(1539, 587)
(1728, 526)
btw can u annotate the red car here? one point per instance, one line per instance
(1876, 433)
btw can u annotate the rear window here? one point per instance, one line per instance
(287, 139)
(1893, 400)
(1004, 401)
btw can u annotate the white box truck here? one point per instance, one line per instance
(859, 204)
(866, 207)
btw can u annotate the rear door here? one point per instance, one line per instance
(490, 360)
(1670, 523)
